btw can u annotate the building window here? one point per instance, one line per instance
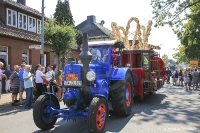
(31, 24)
(25, 56)
(39, 26)
(4, 55)
(70, 60)
(11, 18)
(22, 21)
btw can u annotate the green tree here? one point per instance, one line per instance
(79, 36)
(172, 12)
(180, 55)
(60, 38)
(165, 59)
(63, 13)
(190, 37)
(184, 17)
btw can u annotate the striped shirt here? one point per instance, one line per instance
(15, 79)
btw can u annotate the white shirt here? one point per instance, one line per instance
(38, 76)
(185, 79)
(1, 73)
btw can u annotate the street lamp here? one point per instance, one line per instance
(42, 35)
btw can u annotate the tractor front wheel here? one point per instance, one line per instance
(97, 114)
(42, 114)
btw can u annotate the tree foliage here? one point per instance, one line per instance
(165, 59)
(180, 55)
(63, 15)
(172, 12)
(60, 38)
(79, 36)
(184, 17)
(190, 37)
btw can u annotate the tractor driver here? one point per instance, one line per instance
(96, 55)
(105, 55)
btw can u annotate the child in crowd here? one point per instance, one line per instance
(59, 82)
(185, 80)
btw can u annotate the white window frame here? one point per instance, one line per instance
(33, 30)
(39, 31)
(5, 53)
(25, 55)
(12, 11)
(23, 15)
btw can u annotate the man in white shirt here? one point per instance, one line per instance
(39, 80)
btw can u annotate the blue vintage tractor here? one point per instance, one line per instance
(89, 87)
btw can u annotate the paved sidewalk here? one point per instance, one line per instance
(6, 98)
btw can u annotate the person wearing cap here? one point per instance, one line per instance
(7, 72)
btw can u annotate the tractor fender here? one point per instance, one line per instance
(101, 88)
(51, 95)
(120, 73)
(120, 82)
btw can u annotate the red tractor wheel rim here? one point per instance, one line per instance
(101, 116)
(128, 94)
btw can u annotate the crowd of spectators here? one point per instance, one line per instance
(189, 78)
(24, 78)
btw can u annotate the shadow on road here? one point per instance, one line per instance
(170, 105)
(114, 123)
(8, 109)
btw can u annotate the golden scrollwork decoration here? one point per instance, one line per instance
(142, 41)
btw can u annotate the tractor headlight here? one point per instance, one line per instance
(91, 76)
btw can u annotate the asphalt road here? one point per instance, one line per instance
(171, 109)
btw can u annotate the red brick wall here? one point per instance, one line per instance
(2, 13)
(15, 47)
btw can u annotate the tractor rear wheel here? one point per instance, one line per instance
(122, 97)
(42, 113)
(97, 114)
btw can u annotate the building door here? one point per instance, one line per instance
(4, 56)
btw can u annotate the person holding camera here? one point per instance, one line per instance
(28, 84)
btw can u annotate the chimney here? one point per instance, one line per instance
(23, 2)
(102, 22)
(91, 19)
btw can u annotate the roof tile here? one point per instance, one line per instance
(94, 30)
(19, 34)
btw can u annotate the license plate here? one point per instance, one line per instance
(76, 83)
(72, 77)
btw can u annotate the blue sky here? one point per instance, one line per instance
(116, 11)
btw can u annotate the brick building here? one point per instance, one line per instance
(20, 27)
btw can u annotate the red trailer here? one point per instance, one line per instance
(148, 67)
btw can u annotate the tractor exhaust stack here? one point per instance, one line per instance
(85, 57)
